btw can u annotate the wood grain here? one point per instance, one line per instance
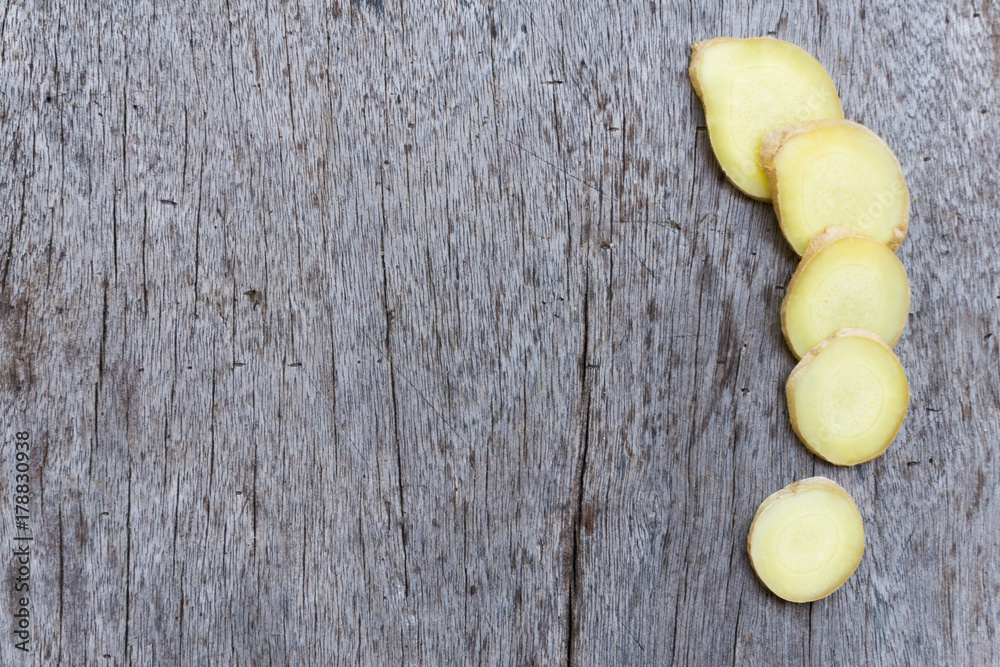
(430, 333)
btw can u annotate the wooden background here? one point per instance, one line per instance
(430, 333)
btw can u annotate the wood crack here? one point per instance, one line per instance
(128, 563)
(145, 283)
(808, 659)
(736, 632)
(389, 315)
(585, 396)
(104, 333)
(62, 579)
(197, 228)
(10, 239)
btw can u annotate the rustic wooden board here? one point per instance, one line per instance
(430, 333)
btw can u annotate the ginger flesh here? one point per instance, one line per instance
(848, 397)
(750, 87)
(833, 172)
(844, 280)
(806, 540)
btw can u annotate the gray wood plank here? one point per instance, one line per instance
(365, 332)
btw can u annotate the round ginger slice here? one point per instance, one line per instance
(847, 397)
(806, 540)
(750, 87)
(845, 280)
(835, 173)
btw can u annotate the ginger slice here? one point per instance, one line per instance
(806, 540)
(750, 87)
(847, 397)
(844, 280)
(835, 173)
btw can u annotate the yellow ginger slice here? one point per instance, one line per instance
(806, 540)
(835, 173)
(750, 87)
(844, 280)
(847, 397)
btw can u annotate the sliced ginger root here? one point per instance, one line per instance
(847, 397)
(806, 540)
(835, 173)
(750, 87)
(845, 280)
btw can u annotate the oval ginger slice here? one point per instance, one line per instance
(750, 87)
(844, 280)
(847, 397)
(835, 173)
(806, 540)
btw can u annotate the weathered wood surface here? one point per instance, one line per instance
(430, 333)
